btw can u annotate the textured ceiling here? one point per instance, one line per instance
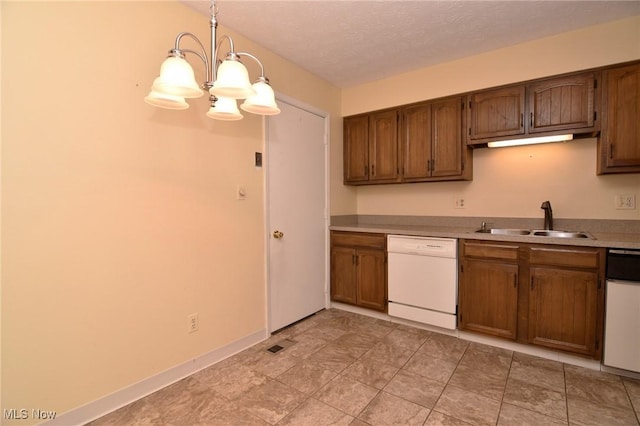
(351, 42)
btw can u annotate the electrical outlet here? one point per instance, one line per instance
(625, 202)
(193, 323)
(459, 203)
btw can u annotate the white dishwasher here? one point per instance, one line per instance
(423, 279)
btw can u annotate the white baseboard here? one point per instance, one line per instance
(105, 405)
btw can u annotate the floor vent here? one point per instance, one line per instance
(284, 344)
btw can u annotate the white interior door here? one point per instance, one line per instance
(296, 217)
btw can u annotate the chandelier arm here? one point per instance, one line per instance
(214, 61)
(202, 54)
(255, 59)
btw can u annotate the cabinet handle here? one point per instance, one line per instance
(366, 170)
(611, 151)
(353, 259)
(531, 120)
(522, 119)
(428, 165)
(531, 283)
(373, 170)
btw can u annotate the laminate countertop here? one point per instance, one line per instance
(605, 233)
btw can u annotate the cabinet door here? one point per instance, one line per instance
(343, 275)
(356, 149)
(383, 146)
(562, 309)
(488, 299)
(619, 143)
(446, 125)
(372, 275)
(565, 103)
(416, 142)
(495, 113)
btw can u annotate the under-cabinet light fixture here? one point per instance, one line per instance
(226, 81)
(530, 141)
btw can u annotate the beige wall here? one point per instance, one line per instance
(509, 181)
(120, 219)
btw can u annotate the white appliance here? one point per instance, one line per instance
(622, 319)
(423, 279)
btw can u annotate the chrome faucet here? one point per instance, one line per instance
(548, 215)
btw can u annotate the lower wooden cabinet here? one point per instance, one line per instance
(543, 295)
(359, 269)
(563, 309)
(488, 297)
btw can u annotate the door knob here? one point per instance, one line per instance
(278, 234)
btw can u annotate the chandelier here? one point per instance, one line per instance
(226, 80)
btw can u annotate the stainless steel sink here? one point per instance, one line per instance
(535, 233)
(505, 231)
(560, 234)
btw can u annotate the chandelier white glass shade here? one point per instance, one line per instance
(233, 80)
(164, 100)
(226, 81)
(264, 101)
(177, 78)
(224, 109)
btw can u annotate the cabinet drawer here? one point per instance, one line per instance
(492, 251)
(358, 239)
(587, 258)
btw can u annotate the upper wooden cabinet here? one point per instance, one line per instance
(619, 142)
(371, 148)
(432, 144)
(496, 113)
(566, 104)
(356, 149)
(383, 146)
(417, 143)
(432, 140)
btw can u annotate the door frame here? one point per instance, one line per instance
(267, 197)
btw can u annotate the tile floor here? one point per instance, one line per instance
(349, 369)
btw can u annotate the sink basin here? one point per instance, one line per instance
(560, 234)
(535, 233)
(505, 231)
